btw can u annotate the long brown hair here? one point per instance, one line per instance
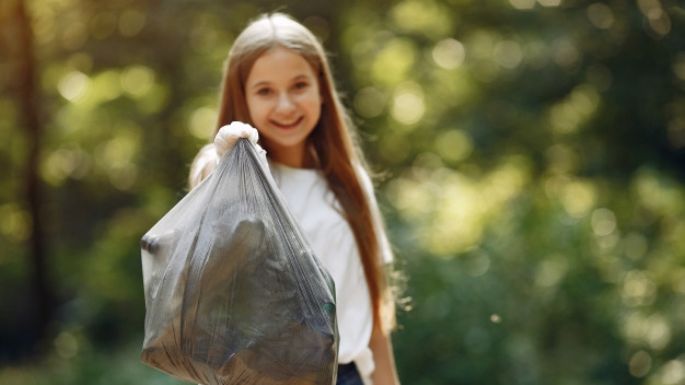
(332, 140)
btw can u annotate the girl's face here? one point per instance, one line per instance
(284, 102)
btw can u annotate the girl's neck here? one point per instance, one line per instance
(297, 156)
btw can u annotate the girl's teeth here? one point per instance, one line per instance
(287, 124)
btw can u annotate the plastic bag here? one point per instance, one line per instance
(233, 292)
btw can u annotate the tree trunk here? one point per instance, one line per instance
(28, 100)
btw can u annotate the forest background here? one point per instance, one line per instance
(531, 171)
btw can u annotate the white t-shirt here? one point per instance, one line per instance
(314, 205)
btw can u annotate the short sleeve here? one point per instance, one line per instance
(384, 247)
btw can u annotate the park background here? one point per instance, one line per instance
(530, 159)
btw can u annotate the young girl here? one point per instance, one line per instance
(278, 80)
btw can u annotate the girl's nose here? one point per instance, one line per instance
(285, 103)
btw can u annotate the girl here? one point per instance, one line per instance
(278, 80)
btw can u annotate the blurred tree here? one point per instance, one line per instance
(18, 28)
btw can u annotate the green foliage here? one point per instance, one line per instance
(533, 188)
(73, 363)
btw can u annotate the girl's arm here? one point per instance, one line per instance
(204, 163)
(381, 346)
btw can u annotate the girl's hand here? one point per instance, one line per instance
(229, 134)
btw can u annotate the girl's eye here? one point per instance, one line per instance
(263, 91)
(301, 85)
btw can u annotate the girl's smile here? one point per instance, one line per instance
(286, 126)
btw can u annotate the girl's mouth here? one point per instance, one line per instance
(288, 125)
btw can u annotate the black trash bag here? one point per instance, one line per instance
(233, 292)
